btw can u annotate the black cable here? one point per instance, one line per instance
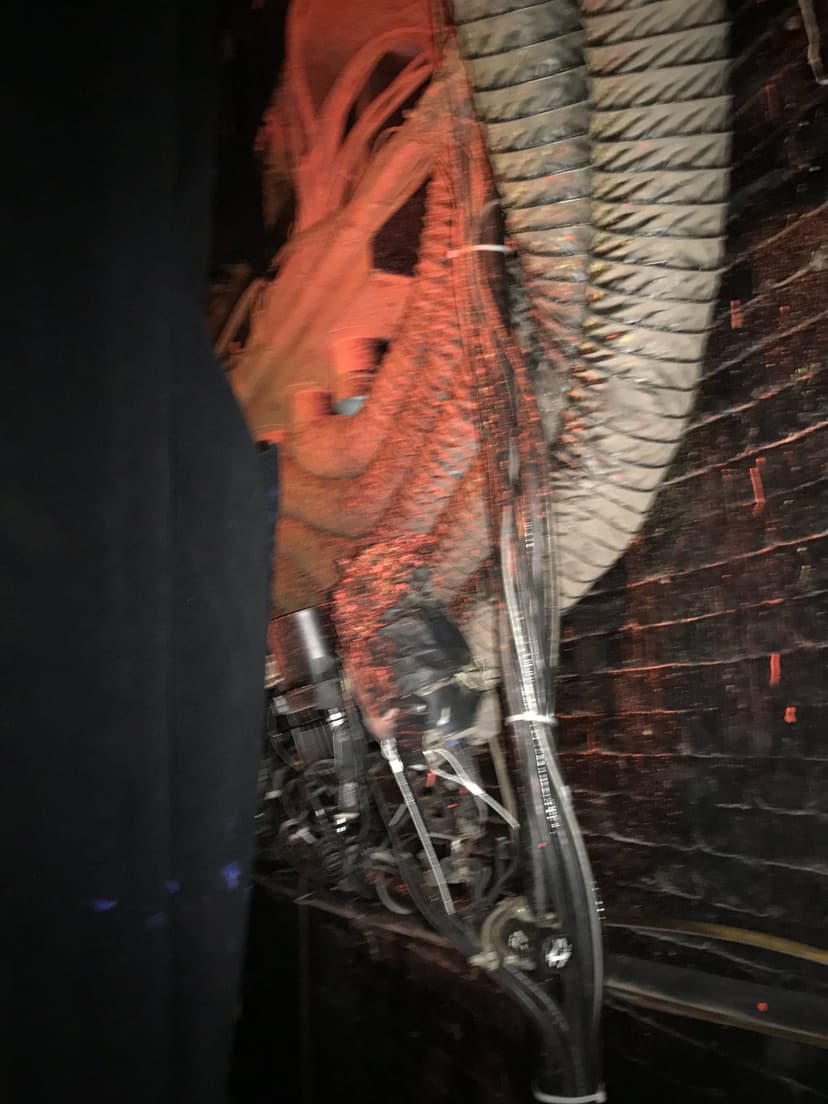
(514, 478)
(550, 1022)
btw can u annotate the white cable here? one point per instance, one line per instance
(814, 35)
(502, 774)
(461, 778)
(537, 718)
(478, 800)
(478, 249)
(390, 753)
(478, 791)
(598, 1097)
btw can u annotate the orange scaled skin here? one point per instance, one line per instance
(408, 462)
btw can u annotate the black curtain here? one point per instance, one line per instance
(133, 575)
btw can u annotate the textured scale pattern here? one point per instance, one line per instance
(407, 461)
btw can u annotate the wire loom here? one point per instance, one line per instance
(515, 462)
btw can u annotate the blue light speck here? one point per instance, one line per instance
(232, 875)
(102, 904)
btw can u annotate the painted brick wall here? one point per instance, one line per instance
(693, 700)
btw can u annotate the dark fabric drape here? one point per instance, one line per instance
(133, 576)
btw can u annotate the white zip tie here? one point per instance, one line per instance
(538, 718)
(478, 249)
(598, 1097)
(388, 747)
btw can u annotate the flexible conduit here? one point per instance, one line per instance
(607, 124)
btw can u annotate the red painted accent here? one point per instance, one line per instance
(790, 714)
(759, 499)
(775, 669)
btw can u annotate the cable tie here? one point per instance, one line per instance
(537, 718)
(478, 249)
(598, 1097)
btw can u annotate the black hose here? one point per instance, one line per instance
(556, 1066)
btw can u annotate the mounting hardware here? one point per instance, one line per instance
(557, 953)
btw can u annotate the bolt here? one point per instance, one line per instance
(558, 953)
(518, 941)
